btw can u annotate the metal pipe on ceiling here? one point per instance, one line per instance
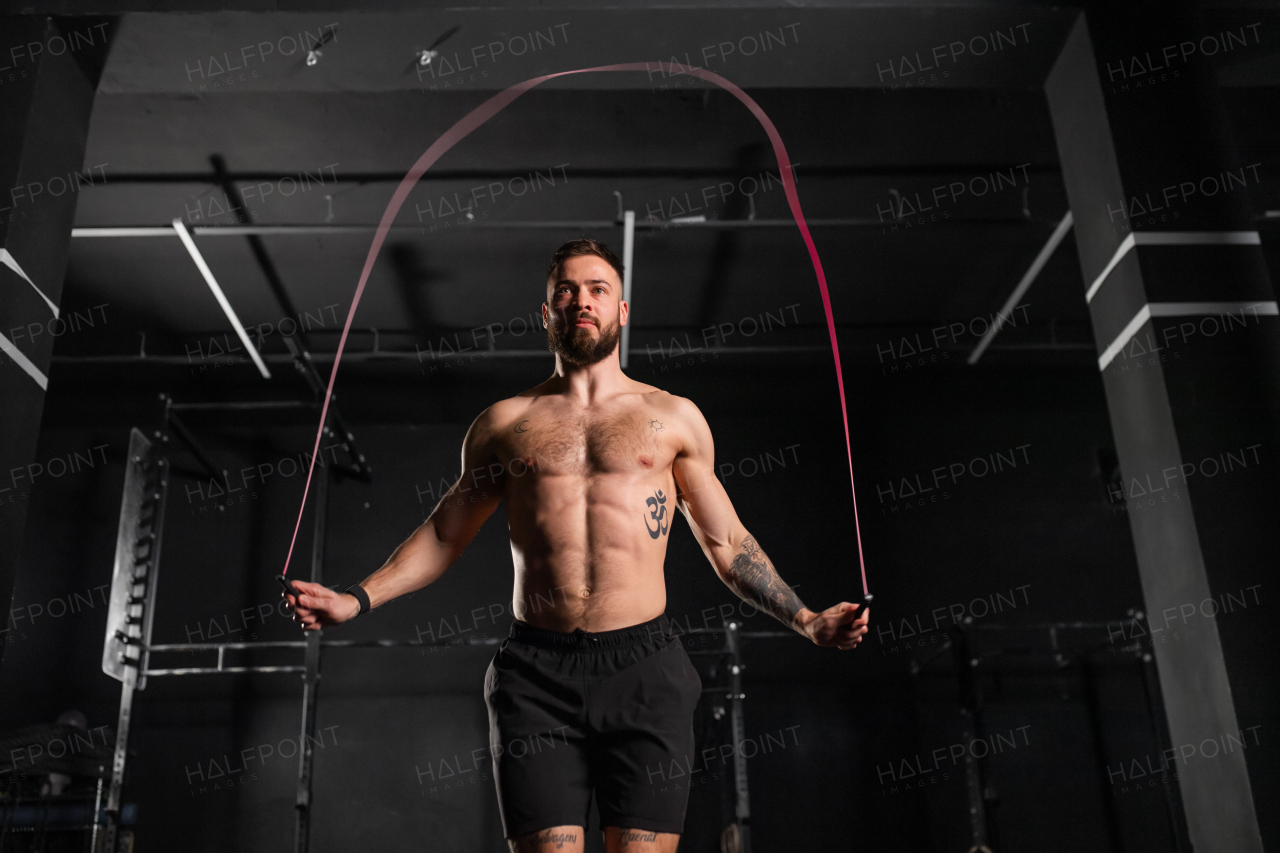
(583, 173)
(181, 230)
(397, 355)
(1028, 278)
(628, 255)
(405, 355)
(575, 224)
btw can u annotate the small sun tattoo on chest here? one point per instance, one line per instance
(656, 425)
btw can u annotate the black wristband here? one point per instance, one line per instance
(361, 596)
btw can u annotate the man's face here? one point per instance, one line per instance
(584, 312)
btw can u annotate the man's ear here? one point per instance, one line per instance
(545, 310)
(624, 312)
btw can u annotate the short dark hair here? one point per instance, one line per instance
(584, 246)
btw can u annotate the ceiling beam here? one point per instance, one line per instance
(639, 173)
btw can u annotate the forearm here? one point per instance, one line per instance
(747, 570)
(419, 561)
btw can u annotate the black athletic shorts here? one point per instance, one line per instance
(607, 711)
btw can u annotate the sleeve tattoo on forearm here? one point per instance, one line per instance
(752, 577)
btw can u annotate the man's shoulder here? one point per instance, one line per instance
(504, 412)
(680, 412)
(675, 404)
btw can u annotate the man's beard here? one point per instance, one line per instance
(575, 345)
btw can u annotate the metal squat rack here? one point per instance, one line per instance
(127, 647)
(736, 836)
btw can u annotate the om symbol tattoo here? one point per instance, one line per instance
(658, 512)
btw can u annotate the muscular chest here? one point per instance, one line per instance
(578, 443)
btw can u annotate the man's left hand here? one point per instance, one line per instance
(836, 627)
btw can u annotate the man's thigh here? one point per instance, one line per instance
(643, 744)
(621, 840)
(557, 839)
(540, 758)
(570, 839)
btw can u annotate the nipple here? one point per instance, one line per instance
(646, 461)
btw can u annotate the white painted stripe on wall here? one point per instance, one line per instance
(1172, 238)
(1179, 309)
(11, 262)
(22, 361)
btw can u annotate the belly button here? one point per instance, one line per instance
(585, 592)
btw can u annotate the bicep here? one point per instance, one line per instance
(465, 507)
(702, 498)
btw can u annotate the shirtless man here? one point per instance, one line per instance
(592, 689)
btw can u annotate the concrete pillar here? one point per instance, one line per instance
(48, 77)
(1184, 315)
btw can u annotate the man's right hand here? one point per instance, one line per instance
(837, 627)
(320, 607)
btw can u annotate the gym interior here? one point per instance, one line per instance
(997, 328)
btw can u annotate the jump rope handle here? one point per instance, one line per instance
(288, 586)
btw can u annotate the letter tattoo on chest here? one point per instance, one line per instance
(520, 427)
(658, 512)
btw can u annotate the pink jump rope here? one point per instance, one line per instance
(497, 104)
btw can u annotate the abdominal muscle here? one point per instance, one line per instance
(584, 556)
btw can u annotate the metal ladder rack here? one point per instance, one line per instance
(127, 646)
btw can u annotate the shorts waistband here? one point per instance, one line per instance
(579, 639)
